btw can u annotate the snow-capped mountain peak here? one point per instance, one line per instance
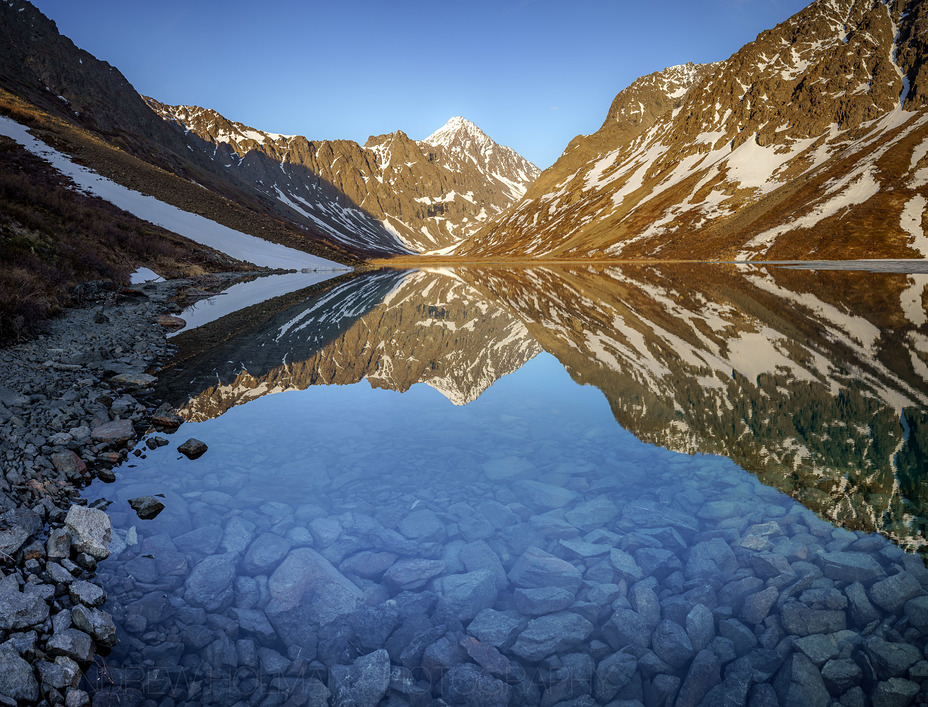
(456, 128)
(465, 144)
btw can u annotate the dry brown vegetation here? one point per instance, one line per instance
(53, 237)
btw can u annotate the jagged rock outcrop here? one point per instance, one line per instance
(810, 142)
(394, 193)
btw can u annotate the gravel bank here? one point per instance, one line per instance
(73, 402)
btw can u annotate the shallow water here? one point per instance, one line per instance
(493, 487)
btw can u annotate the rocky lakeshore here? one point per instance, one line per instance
(73, 403)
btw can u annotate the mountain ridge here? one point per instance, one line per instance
(393, 193)
(755, 161)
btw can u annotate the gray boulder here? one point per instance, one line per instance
(544, 600)
(799, 682)
(210, 583)
(495, 628)
(90, 531)
(536, 568)
(892, 593)
(306, 592)
(850, 566)
(466, 595)
(554, 633)
(19, 610)
(364, 682)
(146, 507)
(17, 679)
(265, 553)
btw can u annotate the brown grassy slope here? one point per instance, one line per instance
(52, 238)
(237, 210)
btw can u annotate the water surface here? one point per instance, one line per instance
(534, 486)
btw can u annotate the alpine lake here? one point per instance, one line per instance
(591, 485)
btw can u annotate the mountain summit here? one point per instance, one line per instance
(392, 194)
(809, 142)
(463, 143)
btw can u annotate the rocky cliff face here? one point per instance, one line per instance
(392, 194)
(810, 142)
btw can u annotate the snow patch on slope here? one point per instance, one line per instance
(193, 226)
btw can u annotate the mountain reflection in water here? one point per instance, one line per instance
(816, 381)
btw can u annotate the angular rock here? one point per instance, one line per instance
(165, 416)
(467, 685)
(58, 545)
(850, 567)
(210, 583)
(657, 563)
(895, 692)
(700, 626)
(544, 600)
(702, 676)
(891, 660)
(672, 645)
(800, 620)
(757, 606)
(146, 507)
(265, 553)
(627, 628)
(17, 526)
(61, 674)
(410, 574)
(69, 463)
(861, 611)
(364, 682)
(711, 558)
(114, 433)
(551, 634)
(892, 593)
(90, 531)
(86, 593)
(625, 566)
(306, 591)
(466, 595)
(192, 448)
(799, 682)
(97, 623)
(73, 643)
(612, 674)
(592, 514)
(769, 564)
(495, 628)
(536, 568)
(367, 564)
(134, 381)
(917, 612)
(19, 610)
(841, 675)
(542, 496)
(254, 622)
(423, 526)
(17, 679)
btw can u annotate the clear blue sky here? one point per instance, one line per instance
(531, 73)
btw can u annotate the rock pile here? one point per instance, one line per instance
(72, 404)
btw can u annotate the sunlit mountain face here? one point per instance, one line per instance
(813, 380)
